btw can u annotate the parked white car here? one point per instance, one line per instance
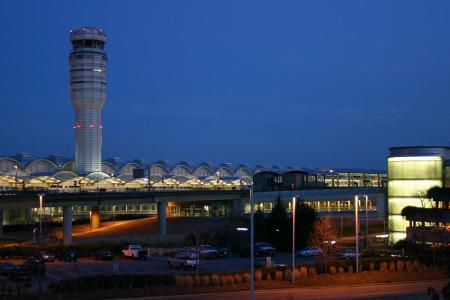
(134, 251)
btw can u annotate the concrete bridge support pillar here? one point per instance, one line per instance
(67, 225)
(95, 217)
(162, 219)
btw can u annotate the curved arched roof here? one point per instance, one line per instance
(65, 175)
(13, 161)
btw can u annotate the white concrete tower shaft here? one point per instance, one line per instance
(88, 62)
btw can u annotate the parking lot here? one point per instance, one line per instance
(154, 265)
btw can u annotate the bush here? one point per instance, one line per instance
(296, 274)
(230, 279)
(246, 277)
(341, 270)
(179, 280)
(400, 266)
(312, 271)
(268, 277)
(417, 265)
(303, 272)
(223, 279)
(409, 266)
(215, 279)
(198, 280)
(258, 275)
(238, 278)
(371, 267)
(278, 275)
(332, 270)
(205, 280)
(392, 266)
(188, 281)
(350, 269)
(288, 275)
(383, 267)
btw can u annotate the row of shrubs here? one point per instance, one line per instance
(108, 282)
(286, 273)
(147, 281)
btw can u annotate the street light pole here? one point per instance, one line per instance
(17, 186)
(367, 222)
(357, 233)
(293, 239)
(41, 198)
(252, 258)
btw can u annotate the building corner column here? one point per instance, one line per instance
(162, 218)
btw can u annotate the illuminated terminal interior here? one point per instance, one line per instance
(412, 171)
(25, 172)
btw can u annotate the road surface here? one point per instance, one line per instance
(397, 291)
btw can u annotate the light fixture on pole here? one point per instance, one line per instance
(357, 232)
(293, 239)
(252, 257)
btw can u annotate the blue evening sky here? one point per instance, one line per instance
(304, 83)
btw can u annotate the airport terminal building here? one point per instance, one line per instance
(328, 190)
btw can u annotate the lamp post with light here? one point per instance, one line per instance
(252, 241)
(293, 238)
(41, 200)
(357, 232)
(17, 186)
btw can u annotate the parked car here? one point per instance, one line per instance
(309, 251)
(264, 249)
(208, 251)
(143, 254)
(104, 254)
(182, 261)
(69, 255)
(48, 257)
(20, 272)
(6, 267)
(347, 253)
(35, 265)
(132, 251)
(223, 252)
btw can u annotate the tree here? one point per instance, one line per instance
(324, 237)
(260, 223)
(200, 234)
(305, 216)
(278, 226)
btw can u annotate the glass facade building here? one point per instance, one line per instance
(412, 171)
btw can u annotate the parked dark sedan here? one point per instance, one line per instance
(35, 265)
(5, 268)
(69, 256)
(104, 255)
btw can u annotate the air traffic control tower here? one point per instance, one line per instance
(88, 62)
